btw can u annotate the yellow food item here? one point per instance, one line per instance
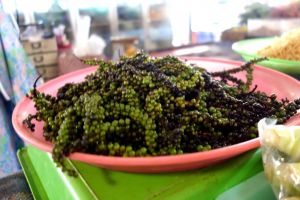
(284, 177)
(285, 47)
(292, 198)
(130, 51)
(285, 139)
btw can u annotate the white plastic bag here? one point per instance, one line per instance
(281, 157)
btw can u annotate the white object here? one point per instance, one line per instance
(92, 46)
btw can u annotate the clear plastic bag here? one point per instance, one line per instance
(281, 158)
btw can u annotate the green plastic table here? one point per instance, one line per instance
(237, 178)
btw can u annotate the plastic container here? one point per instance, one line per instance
(248, 48)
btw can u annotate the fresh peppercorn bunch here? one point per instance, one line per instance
(143, 106)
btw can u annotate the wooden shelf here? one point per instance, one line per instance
(100, 24)
(131, 21)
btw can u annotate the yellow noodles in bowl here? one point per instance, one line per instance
(285, 47)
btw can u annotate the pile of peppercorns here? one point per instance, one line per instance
(143, 106)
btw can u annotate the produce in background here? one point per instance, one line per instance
(291, 10)
(143, 106)
(264, 11)
(234, 34)
(285, 47)
(255, 11)
(281, 158)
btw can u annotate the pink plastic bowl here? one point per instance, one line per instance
(268, 80)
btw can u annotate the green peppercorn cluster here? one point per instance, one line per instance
(143, 106)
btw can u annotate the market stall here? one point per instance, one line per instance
(111, 102)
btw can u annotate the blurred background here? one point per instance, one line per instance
(53, 32)
(52, 37)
